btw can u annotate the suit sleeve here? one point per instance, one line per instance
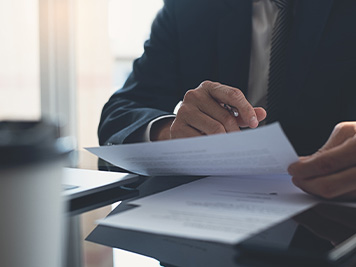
(151, 90)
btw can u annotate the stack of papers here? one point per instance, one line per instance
(220, 209)
(248, 188)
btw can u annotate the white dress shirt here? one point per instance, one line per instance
(264, 15)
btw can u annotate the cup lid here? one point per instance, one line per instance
(28, 142)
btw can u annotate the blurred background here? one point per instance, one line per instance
(63, 59)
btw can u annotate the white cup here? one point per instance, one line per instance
(31, 206)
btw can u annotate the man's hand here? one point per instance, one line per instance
(330, 172)
(202, 113)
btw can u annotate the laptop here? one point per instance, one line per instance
(85, 190)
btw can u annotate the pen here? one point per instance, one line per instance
(231, 109)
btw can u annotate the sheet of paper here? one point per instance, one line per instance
(264, 150)
(222, 209)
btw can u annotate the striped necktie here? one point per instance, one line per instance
(277, 65)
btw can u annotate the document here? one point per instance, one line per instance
(219, 209)
(264, 150)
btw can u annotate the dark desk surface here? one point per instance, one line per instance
(170, 251)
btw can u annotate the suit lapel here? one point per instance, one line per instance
(234, 42)
(309, 22)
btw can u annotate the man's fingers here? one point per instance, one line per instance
(341, 132)
(217, 112)
(326, 162)
(331, 172)
(204, 110)
(341, 185)
(183, 131)
(233, 97)
(260, 113)
(193, 117)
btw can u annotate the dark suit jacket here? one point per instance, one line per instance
(196, 40)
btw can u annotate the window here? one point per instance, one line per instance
(19, 64)
(109, 35)
(86, 49)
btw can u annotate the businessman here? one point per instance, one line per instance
(230, 42)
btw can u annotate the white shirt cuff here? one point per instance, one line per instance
(147, 133)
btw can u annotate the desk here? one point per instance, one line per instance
(81, 203)
(170, 251)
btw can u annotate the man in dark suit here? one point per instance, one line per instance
(194, 42)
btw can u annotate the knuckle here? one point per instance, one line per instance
(345, 129)
(325, 166)
(339, 128)
(190, 95)
(217, 128)
(183, 110)
(326, 190)
(343, 125)
(235, 94)
(207, 84)
(246, 110)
